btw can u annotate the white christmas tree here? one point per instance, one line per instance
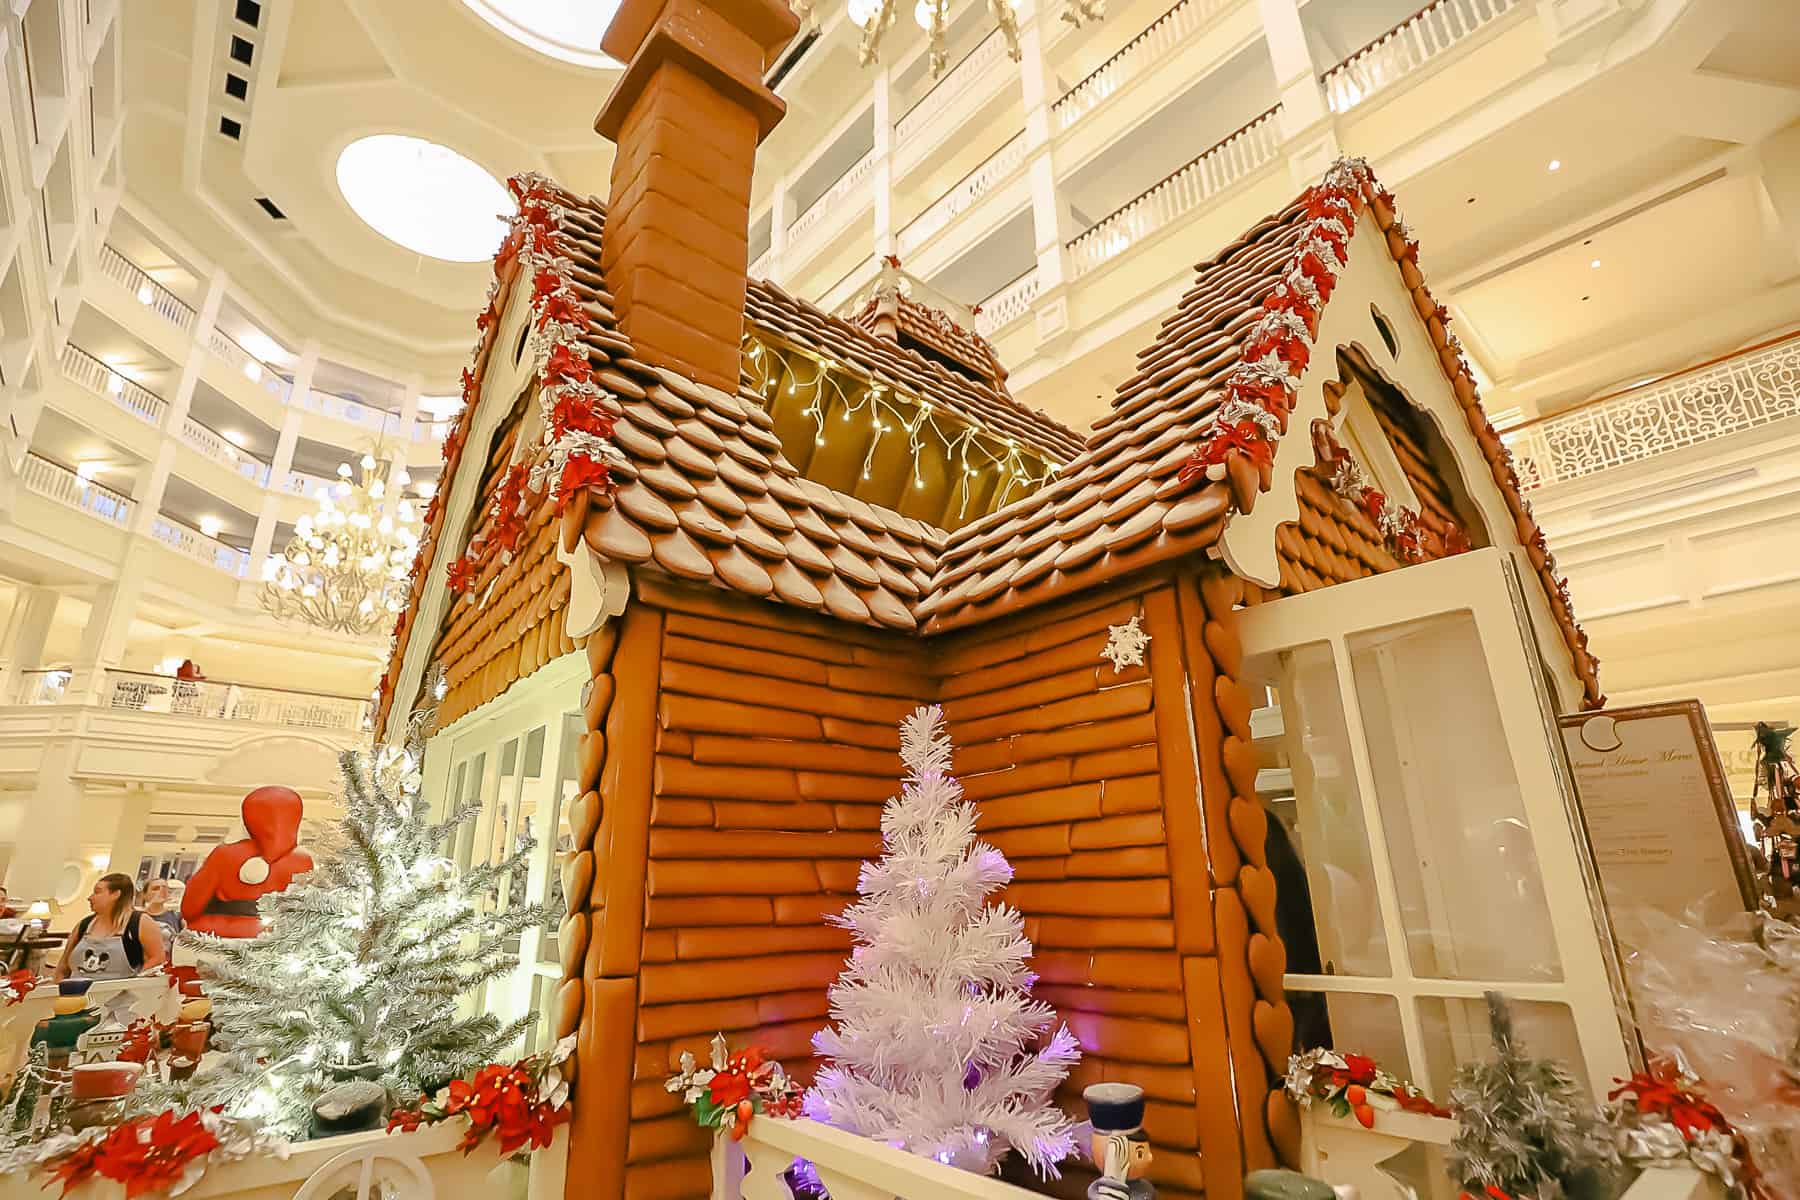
(365, 962)
(938, 1047)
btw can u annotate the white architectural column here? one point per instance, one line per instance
(1052, 222)
(182, 400)
(109, 624)
(881, 177)
(26, 632)
(128, 828)
(781, 215)
(50, 833)
(1308, 128)
(304, 370)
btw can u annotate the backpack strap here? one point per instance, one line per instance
(134, 944)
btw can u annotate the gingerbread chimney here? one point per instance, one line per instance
(687, 116)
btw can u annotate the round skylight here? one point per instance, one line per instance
(424, 196)
(566, 29)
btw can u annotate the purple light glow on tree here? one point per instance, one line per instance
(938, 1047)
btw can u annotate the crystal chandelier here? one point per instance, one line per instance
(875, 17)
(345, 569)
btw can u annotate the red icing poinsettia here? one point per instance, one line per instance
(150, 1154)
(578, 473)
(459, 576)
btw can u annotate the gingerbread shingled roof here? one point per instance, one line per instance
(705, 493)
(935, 328)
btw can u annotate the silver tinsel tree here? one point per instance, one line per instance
(1523, 1125)
(363, 960)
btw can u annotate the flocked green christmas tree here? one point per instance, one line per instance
(363, 960)
(1524, 1127)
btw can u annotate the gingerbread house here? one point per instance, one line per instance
(730, 540)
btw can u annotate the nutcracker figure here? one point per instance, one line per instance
(1120, 1148)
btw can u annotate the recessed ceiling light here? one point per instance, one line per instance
(1595, 265)
(210, 526)
(425, 197)
(1556, 164)
(233, 436)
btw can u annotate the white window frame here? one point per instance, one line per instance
(1483, 584)
(542, 699)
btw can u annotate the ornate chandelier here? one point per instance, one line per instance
(875, 17)
(345, 567)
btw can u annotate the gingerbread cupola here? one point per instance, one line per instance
(687, 116)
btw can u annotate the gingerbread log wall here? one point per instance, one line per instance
(747, 754)
(1127, 863)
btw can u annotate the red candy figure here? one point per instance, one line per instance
(221, 897)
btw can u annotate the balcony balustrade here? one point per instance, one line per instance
(1007, 305)
(83, 368)
(151, 294)
(205, 699)
(963, 194)
(1185, 189)
(832, 201)
(1744, 391)
(1133, 59)
(199, 547)
(1408, 46)
(54, 482)
(983, 62)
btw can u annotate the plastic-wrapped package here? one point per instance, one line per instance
(1723, 1002)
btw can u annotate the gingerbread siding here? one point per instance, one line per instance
(744, 754)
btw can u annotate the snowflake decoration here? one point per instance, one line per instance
(1125, 644)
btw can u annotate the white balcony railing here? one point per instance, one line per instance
(1133, 59)
(1407, 47)
(1247, 150)
(200, 548)
(213, 444)
(151, 294)
(1008, 304)
(298, 483)
(43, 687)
(248, 365)
(961, 197)
(981, 62)
(204, 698)
(832, 200)
(57, 483)
(83, 368)
(1742, 392)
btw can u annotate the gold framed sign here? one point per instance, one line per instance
(1658, 811)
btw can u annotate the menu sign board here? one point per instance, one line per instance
(1658, 811)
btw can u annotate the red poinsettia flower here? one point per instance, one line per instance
(1292, 351)
(1283, 298)
(469, 385)
(1411, 252)
(19, 984)
(564, 365)
(509, 251)
(1263, 393)
(1322, 274)
(571, 410)
(729, 1087)
(147, 1155)
(561, 307)
(1372, 503)
(544, 284)
(581, 472)
(405, 1120)
(1456, 541)
(460, 575)
(1361, 1068)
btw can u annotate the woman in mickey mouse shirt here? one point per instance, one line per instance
(115, 941)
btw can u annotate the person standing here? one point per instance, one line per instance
(114, 941)
(158, 896)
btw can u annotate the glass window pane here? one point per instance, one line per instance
(568, 764)
(471, 792)
(1466, 872)
(534, 753)
(1457, 1031)
(1328, 831)
(1351, 1022)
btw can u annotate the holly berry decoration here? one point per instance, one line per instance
(734, 1088)
(1354, 1086)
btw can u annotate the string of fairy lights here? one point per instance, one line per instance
(967, 447)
